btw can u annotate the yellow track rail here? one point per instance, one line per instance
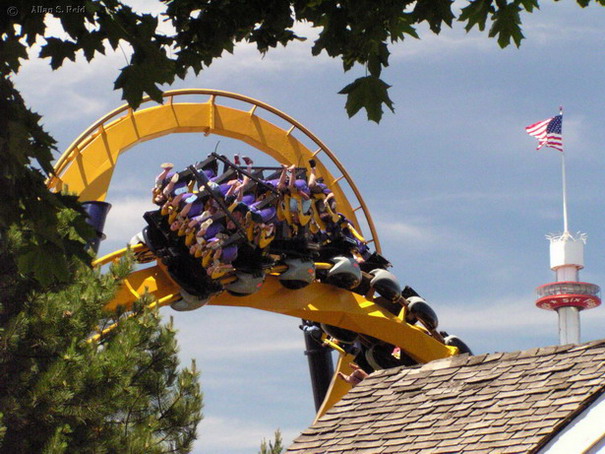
(318, 302)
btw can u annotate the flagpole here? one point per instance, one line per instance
(563, 179)
(565, 229)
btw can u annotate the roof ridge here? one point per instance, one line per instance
(472, 360)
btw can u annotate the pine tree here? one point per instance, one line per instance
(272, 447)
(62, 394)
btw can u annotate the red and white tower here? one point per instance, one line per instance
(568, 296)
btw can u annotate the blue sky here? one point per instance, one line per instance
(461, 198)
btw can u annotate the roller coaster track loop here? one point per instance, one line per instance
(88, 176)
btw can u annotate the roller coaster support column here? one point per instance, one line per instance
(321, 367)
(97, 213)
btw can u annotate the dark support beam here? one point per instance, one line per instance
(97, 213)
(321, 368)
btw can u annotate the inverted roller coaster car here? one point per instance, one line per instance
(189, 302)
(182, 267)
(345, 273)
(145, 255)
(340, 334)
(419, 310)
(384, 356)
(245, 284)
(182, 279)
(385, 283)
(455, 341)
(300, 273)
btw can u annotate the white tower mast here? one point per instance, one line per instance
(568, 296)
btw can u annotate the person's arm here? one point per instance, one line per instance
(185, 211)
(281, 184)
(170, 186)
(234, 185)
(292, 172)
(312, 174)
(166, 168)
(356, 376)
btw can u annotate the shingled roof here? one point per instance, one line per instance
(492, 403)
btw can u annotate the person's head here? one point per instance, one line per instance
(238, 213)
(176, 224)
(158, 197)
(237, 216)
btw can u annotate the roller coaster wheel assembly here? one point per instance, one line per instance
(343, 335)
(418, 309)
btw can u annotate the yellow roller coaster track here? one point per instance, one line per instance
(87, 166)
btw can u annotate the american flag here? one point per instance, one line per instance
(548, 132)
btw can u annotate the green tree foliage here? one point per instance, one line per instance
(26, 151)
(62, 394)
(272, 447)
(358, 32)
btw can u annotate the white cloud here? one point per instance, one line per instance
(422, 235)
(505, 323)
(508, 314)
(407, 232)
(247, 62)
(539, 28)
(72, 92)
(125, 218)
(83, 89)
(232, 434)
(233, 332)
(449, 41)
(497, 315)
(542, 28)
(257, 348)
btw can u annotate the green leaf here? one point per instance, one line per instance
(506, 25)
(476, 13)
(32, 26)
(369, 93)
(529, 5)
(58, 50)
(110, 28)
(73, 24)
(401, 26)
(149, 67)
(91, 43)
(374, 65)
(435, 12)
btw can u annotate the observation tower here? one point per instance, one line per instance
(568, 295)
